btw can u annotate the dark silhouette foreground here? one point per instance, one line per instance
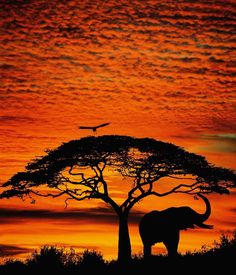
(164, 226)
(52, 260)
(77, 171)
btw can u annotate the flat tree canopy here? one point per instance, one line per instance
(76, 170)
(143, 159)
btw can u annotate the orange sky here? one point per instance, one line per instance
(164, 70)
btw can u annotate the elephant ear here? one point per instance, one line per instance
(180, 218)
(185, 218)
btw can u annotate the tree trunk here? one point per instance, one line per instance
(124, 246)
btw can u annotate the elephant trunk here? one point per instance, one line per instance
(203, 217)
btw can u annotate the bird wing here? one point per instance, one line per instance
(102, 125)
(85, 127)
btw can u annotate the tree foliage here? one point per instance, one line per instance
(76, 169)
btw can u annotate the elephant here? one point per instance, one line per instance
(164, 226)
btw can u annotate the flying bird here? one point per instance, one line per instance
(93, 128)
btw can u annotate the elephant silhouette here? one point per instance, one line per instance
(164, 226)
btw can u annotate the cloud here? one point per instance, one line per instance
(100, 215)
(233, 209)
(231, 137)
(12, 250)
(16, 119)
(222, 142)
(7, 67)
(220, 137)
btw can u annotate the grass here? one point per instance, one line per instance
(52, 260)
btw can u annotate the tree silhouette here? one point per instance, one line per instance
(76, 169)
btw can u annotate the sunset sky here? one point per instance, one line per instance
(160, 69)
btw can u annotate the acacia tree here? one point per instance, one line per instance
(76, 169)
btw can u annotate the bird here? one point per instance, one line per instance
(94, 128)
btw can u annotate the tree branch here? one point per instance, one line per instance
(75, 174)
(94, 170)
(179, 178)
(133, 200)
(48, 194)
(66, 203)
(101, 178)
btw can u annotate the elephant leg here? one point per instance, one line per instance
(147, 250)
(172, 244)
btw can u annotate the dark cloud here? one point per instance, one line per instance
(100, 215)
(227, 137)
(16, 119)
(216, 60)
(225, 142)
(189, 59)
(222, 142)
(229, 223)
(7, 67)
(12, 250)
(177, 94)
(233, 210)
(225, 223)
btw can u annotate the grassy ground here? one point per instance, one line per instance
(52, 260)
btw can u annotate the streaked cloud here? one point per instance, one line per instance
(223, 142)
(12, 250)
(233, 210)
(99, 215)
(226, 137)
(19, 119)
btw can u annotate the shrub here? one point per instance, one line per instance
(91, 260)
(48, 258)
